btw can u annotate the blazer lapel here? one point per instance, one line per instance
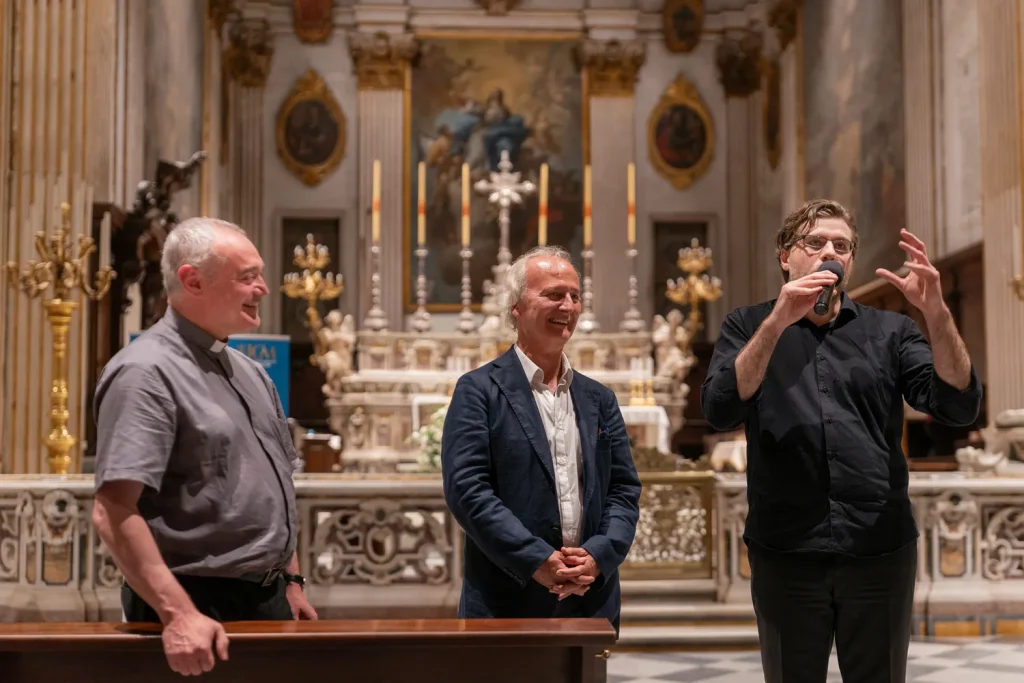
(508, 374)
(585, 403)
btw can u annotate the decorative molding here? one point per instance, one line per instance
(783, 18)
(612, 65)
(314, 20)
(681, 134)
(311, 130)
(498, 7)
(381, 59)
(249, 52)
(738, 57)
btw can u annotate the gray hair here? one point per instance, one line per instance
(515, 278)
(191, 243)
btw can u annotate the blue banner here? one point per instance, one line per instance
(272, 351)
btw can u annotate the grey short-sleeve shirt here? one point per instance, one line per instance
(202, 427)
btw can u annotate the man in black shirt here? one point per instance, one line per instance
(830, 530)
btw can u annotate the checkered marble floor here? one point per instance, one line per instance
(930, 662)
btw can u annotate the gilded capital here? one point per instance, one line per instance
(249, 51)
(381, 58)
(783, 18)
(219, 11)
(738, 57)
(611, 65)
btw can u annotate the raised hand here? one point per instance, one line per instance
(797, 297)
(921, 286)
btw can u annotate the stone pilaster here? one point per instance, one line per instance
(53, 157)
(1000, 62)
(382, 62)
(611, 69)
(247, 59)
(919, 103)
(738, 58)
(174, 89)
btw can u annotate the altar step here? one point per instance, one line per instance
(685, 615)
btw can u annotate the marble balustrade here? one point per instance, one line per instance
(386, 546)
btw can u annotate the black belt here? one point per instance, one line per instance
(263, 578)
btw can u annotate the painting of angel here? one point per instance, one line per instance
(471, 100)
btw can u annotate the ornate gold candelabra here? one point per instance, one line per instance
(311, 285)
(697, 287)
(65, 273)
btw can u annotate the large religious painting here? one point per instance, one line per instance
(853, 98)
(471, 100)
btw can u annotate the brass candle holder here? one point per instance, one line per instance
(60, 268)
(311, 285)
(697, 287)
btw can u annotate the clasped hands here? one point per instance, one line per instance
(568, 571)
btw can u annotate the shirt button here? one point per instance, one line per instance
(832, 454)
(820, 357)
(824, 390)
(830, 420)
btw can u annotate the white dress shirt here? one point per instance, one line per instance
(563, 435)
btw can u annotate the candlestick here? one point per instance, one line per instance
(465, 205)
(421, 319)
(375, 320)
(631, 204)
(376, 202)
(542, 220)
(466, 321)
(588, 321)
(631, 321)
(421, 205)
(587, 223)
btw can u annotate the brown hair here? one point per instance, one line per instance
(798, 223)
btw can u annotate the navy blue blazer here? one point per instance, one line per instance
(499, 484)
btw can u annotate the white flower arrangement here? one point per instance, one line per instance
(428, 438)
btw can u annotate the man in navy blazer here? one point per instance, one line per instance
(537, 467)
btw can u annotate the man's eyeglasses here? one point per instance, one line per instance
(815, 243)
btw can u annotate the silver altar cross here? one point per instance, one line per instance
(504, 189)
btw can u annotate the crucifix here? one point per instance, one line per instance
(504, 188)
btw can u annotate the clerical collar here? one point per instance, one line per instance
(192, 332)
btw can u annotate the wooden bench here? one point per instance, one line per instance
(371, 651)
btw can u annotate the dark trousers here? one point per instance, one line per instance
(803, 602)
(220, 599)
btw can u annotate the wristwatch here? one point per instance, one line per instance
(295, 578)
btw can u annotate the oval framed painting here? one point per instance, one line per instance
(311, 130)
(681, 135)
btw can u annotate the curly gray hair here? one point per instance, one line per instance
(515, 278)
(191, 243)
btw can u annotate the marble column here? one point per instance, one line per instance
(382, 63)
(611, 68)
(737, 57)
(46, 62)
(247, 61)
(1000, 62)
(919, 102)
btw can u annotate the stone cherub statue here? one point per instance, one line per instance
(1003, 453)
(670, 338)
(335, 343)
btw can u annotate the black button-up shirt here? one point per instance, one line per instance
(825, 465)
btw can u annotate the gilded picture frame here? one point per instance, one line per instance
(681, 134)
(311, 130)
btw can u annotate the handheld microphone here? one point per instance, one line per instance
(825, 297)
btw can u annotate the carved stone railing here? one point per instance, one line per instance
(379, 546)
(971, 551)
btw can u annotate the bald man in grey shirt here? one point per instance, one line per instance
(194, 460)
